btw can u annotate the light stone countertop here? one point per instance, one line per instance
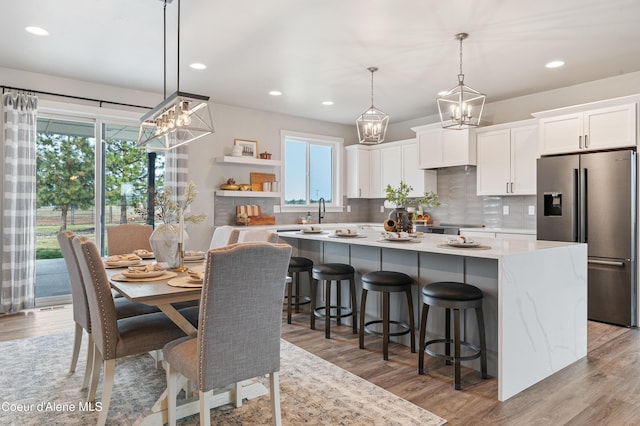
(433, 243)
(501, 230)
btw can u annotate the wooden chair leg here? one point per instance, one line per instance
(274, 388)
(172, 378)
(289, 285)
(385, 325)
(95, 375)
(205, 408)
(327, 309)
(354, 305)
(237, 394)
(312, 308)
(88, 369)
(456, 349)
(77, 341)
(107, 387)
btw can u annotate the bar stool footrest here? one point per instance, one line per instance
(403, 325)
(304, 300)
(471, 346)
(319, 312)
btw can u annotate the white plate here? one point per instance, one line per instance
(464, 245)
(122, 263)
(308, 231)
(399, 239)
(344, 234)
(145, 274)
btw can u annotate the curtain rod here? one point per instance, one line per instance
(100, 101)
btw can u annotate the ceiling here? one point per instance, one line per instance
(313, 50)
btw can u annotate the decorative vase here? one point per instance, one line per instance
(401, 217)
(164, 243)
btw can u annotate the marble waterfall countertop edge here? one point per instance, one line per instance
(500, 230)
(431, 243)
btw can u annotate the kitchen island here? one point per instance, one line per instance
(535, 294)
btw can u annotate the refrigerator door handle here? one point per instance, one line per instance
(575, 235)
(605, 263)
(584, 193)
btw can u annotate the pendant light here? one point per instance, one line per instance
(461, 107)
(179, 119)
(372, 124)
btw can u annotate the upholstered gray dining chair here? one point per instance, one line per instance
(238, 328)
(123, 307)
(223, 236)
(114, 338)
(125, 238)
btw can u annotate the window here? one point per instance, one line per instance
(312, 166)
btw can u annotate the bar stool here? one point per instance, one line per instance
(330, 273)
(386, 282)
(456, 296)
(296, 266)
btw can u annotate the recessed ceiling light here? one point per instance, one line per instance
(198, 66)
(275, 93)
(554, 64)
(327, 103)
(37, 31)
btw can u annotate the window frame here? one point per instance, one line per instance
(337, 145)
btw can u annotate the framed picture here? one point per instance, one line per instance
(249, 148)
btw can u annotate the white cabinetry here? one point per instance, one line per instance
(507, 159)
(438, 147)
(603, 128)
(363, 172)
(371, 167)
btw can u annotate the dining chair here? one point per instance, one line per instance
(238, 327)
(125, 238)
(115, 338)
(258, 235)
(223, 236)
(81, 317)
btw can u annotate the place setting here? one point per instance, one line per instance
(150, 272)
(122, 260)
(464, 242)
(193, 279)
(346, 233)
(311, 230)
(194, 256)
(398, 237)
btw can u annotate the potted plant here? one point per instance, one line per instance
(399, 198)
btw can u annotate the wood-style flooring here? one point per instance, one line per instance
(601, 389)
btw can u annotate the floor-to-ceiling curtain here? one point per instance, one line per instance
(176, 171)
(18, 201)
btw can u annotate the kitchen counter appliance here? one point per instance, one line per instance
(444, 228)
(591, 198)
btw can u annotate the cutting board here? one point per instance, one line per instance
(257, 179)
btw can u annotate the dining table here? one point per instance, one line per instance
(158, 292)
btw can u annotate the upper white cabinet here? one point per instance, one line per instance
(603, 128)
(438, 147)
(371, 167)
(507, 159)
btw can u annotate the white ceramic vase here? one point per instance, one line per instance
(164, 243)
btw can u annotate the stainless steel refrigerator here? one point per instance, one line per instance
(591, 198)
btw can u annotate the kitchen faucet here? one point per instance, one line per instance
(321, 209)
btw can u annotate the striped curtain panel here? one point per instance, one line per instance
(176, 172)
(18, 202)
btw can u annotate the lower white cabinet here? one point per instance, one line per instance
(506, 157)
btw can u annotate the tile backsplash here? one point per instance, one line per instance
(457, 192)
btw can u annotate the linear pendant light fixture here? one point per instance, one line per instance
(461, 107)
(179, 119)
(372, 124)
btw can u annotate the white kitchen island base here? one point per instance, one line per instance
(535, 295)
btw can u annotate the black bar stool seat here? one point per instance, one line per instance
(296, 266)
(456, 296)
(386, 282)
(330, 273)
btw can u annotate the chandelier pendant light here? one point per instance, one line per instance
(181, 117)
(372, 124)
(461, 107)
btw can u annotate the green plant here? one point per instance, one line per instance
(400, 197)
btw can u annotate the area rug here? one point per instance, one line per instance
(36, 389)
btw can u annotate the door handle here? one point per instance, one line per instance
(586, 142)
(605, 262)
(580, 141)
(507, 187)
(512, 187)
